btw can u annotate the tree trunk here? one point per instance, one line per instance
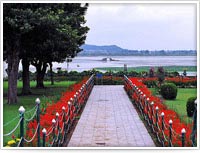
(41, 70)
(51, 73)
(39, 80)
(13, 66)
(26, 90)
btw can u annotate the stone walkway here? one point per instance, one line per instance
(110, 120)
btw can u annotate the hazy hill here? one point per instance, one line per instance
(113, 50)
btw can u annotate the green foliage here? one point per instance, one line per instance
(56, 24)
(108, 81)
(173, 74)
(133, 74)
(190, 106)
(168, 91)
(150, 83)
(60, 33)
(43, 33)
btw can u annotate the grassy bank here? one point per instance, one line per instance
(146, 68)
(52, 93)
(179, 104)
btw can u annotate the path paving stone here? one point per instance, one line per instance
(110, 120)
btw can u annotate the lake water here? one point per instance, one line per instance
(87, 63)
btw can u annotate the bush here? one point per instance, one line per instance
(169, 91)
(133, 74)
(107, 80)
(190, 106)
(150, 83)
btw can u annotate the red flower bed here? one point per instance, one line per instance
(174, 79)
(177, 125)
(179, 81)
(48, 114)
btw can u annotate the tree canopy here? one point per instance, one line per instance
(59, 34)
(41, 33)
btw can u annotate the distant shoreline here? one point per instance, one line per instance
(114, 50)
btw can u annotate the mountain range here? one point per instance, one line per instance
(114, 50)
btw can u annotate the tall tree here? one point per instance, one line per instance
(57, 32)
(16, 21)
(59, 35)
(51, 73)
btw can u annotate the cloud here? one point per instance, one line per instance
(142, 26)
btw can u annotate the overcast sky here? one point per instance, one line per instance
(142, 26)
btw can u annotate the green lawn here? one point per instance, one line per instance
(146, 68)
(179, 104)
(47, 94)
(33, 84)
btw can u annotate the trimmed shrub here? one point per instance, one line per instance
(190, 106)
(168, 91)
(150, 83)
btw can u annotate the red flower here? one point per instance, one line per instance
(52, 109)
(13, 136)
(151, 111)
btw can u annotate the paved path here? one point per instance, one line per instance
(109, 119)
